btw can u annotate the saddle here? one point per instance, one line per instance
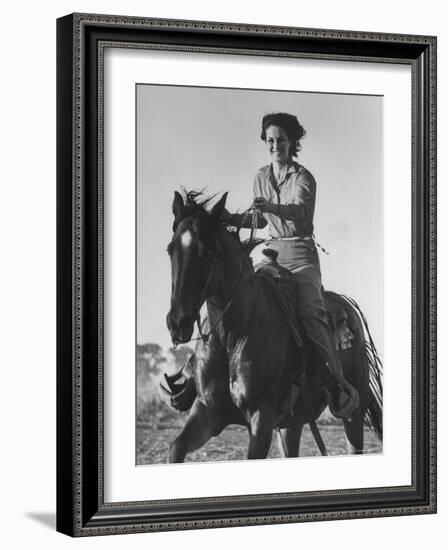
(282, 282)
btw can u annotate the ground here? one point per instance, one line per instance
(157, 428)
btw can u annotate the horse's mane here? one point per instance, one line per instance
(197, 202)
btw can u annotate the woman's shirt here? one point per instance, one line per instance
(293, 200)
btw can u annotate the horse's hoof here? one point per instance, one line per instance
(183, 400)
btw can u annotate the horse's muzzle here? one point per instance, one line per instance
(180, 327)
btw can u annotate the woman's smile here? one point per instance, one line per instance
(278, 144)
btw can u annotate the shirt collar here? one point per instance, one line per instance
(292, 168)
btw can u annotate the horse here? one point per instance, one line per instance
(244, 365)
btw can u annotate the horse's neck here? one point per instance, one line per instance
(237, 286)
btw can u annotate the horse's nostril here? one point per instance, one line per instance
(173, 326)
(185, 323)
(170, 322)
(180, 328)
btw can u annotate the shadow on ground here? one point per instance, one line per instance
(48, 519)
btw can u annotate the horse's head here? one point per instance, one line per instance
(193, 253)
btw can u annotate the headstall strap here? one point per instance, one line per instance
(205, 336)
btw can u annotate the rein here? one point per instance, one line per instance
(254, 225)
(205, 336)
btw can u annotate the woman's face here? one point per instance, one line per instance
(278, 144)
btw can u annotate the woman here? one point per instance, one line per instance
(285, 194)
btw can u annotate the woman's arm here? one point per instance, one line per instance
(300, 209)
(244, 220)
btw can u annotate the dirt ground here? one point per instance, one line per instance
(156, 430)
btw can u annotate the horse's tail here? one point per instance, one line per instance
(375, 402)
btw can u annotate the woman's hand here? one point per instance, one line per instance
(261, 204)
(227, 217)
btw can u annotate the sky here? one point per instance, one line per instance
(209, 138)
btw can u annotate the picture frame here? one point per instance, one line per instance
(81, 506)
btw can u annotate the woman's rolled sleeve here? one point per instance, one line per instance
(301, 205)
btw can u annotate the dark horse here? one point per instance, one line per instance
(243, 367)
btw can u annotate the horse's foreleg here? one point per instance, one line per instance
(288, 441)
(199, 428)
(260, 429)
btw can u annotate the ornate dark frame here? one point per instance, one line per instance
(81, 39)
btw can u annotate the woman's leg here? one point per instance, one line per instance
(314, 317)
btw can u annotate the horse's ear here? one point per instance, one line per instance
(218, 208)
(178, 205)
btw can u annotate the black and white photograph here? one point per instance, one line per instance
(259, 274)
(222, 241)
(246, 275)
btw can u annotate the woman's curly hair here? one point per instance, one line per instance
(294, 130)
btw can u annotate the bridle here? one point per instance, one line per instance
(203, 296)
(205, 336)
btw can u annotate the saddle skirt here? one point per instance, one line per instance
(285, 288)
